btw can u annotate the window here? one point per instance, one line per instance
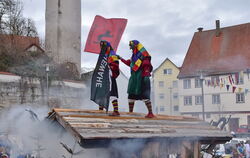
(240, 98)
(161, 95)
(195, 115)
(175, 84)
(198, 83)
(187, 100)
(162, 108)
(208, 115)
(176, 108)
(186, 83)
(175, 95)
(198, 100)
(161, 83)
(167, 71)
(215, 99)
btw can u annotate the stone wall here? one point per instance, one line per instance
(16, 90)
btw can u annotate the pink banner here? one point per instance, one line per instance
(110, 30)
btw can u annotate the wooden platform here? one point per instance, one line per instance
(87, 125)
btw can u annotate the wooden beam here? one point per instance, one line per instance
(70, 129)
(196, 149)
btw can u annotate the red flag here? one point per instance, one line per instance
(110, 30)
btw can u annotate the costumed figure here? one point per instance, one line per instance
(113, 63)
(139, 81)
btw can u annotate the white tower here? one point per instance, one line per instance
(63, 31)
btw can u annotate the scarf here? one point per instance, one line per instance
(139, 52)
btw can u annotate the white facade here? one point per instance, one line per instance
(63, 31)
(218, 100)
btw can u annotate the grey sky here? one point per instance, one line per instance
(164, 27)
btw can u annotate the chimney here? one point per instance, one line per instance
(217, 22)
(200, 29)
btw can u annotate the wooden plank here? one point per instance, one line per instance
(77, 119)
(134, 122)
(162, 126)
(197, 147)
(124, 115)
(124, 124)
(115, 131)
(70, 129)
(90, 125)
(186, 149)
(147, 122)
(151, 150)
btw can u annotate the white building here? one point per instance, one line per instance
(221, 58)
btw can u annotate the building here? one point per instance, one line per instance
(63, 32)
(218, 62)
(17, 43)
(165, 88)
(14, 49)
(16, 88)
(133, 135)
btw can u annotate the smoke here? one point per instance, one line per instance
(28, 131)
(28, 135)
(127, 147)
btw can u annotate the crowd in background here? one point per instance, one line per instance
(238, 150)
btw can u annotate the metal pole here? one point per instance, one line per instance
(47, 82)
(170, 100)
(203, 107)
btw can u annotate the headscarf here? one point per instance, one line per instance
(109, 52)
(139, 52)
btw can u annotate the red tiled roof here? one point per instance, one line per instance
(34, 44)
(229, 52)
(7, 73)
(18, 42)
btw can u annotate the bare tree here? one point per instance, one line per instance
(30, 28)
(15, 21)
(12, 20)
(5, 6)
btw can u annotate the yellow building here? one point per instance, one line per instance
(165, 88)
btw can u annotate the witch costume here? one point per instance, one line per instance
(139, 81)
(113, 63)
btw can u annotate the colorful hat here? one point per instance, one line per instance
(139, 52)
(112, 57)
